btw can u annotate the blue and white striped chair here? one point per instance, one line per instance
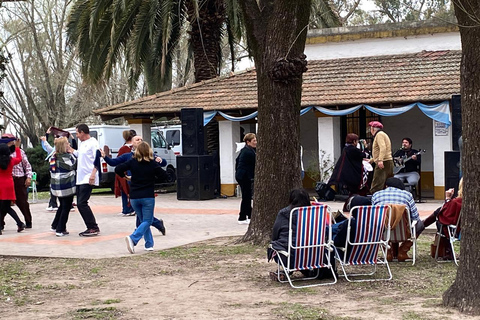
(371, 235)
(311, 247)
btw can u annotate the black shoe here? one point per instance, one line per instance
(29, 225)
(162, 228)
(21, 227)
(0, 232)
(89, 233)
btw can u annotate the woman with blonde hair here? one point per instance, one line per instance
(62, 183)
(142, 196)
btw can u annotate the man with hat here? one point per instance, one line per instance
(382, 156)
(22, 178)
(395, 194)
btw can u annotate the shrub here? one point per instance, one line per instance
(36, 157)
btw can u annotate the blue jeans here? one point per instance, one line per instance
(125, 207)
(144, 209)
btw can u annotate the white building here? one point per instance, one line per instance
(381, 68)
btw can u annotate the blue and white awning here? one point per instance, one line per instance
(439, 112)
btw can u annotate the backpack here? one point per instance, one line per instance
(324, 191)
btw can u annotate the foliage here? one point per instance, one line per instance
(321, 170)
(36, 157)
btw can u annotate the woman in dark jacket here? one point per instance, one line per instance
(244, 174)
(348, 170)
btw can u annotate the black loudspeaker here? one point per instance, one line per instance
(195, 177)
(193, 141)
(456, 120)
(452, 170)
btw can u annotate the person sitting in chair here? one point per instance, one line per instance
(395, 194)
(298, 198)
(409, 172)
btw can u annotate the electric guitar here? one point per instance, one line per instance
(399, 162)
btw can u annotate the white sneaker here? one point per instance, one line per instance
(149, 249)
(52, 230)
(50, 208)
(130, 245)
(72, 209)
(246, 221)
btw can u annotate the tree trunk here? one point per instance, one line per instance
(276, 32)
(464, 292)
(206, 35)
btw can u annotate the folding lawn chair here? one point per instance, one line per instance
(452, 233)
(311, 247)
(404, 230)
(372, 231)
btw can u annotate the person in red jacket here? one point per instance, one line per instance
(122, 187)
(449, 213)
(7, 189)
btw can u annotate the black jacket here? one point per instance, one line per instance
(280, 229)
(411, 165)
(348, 169)
(245, 164)
(143, 177)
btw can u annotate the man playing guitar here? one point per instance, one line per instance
(409, 171)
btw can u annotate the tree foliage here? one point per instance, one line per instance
(44, 87)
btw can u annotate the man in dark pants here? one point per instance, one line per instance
(244, 174)
(87, 176)
(22, 178)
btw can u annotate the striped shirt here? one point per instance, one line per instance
(393, 195)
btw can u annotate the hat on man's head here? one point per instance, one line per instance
(375, 124)
(8, 136)
(395, 182)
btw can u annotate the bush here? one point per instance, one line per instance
(36, 157)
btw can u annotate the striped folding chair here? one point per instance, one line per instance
(372, 231)
(309, 244)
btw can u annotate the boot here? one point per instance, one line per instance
(402, 251)
(394, 246)
(389, 255)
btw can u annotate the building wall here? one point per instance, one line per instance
(385, 46)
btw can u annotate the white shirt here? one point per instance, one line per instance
(86, 156)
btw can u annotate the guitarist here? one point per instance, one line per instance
(410, 171)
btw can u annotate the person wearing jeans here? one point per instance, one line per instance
(144, 171)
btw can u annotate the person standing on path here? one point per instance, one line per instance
(122, 186)
(244, 174)
(22, 178)
(142, 192)
(7, 190)
(88, 163)
(62, 182)
(382, 156)
(157, 223)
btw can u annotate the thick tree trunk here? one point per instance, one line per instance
(206, 34)
(464, 292)
(276, 32)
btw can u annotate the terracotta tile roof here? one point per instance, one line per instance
(379, 80)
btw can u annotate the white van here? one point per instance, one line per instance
(112, 136)
(173, 135)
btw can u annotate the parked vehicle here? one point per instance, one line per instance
(165, 151)
(173, 135)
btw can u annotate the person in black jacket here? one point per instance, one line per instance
(244, 174)
(348, 170)
(142, 194)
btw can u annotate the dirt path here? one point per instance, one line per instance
(211, 280)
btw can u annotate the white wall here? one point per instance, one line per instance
(229, 133)
(416, 126)
(386, 46)
(329, 137)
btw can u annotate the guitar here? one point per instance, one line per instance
(399, 162)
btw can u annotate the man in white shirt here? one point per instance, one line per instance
(87, 177)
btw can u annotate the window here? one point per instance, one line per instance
(173, 137)
(158, 141)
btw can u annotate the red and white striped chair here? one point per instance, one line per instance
(372, 231)
(311, 247)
